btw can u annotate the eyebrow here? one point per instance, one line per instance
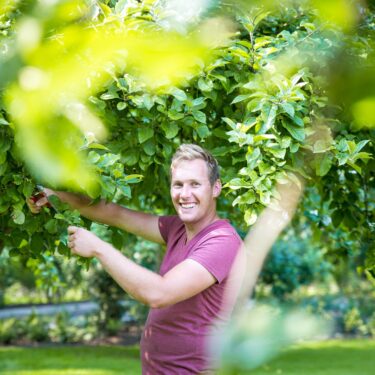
(191, 180)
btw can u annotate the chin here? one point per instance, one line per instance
(186, 218)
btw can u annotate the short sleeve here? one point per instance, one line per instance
(165, 225)
(217, 252)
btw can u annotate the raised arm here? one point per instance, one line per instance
(185, 280)
(139, 223)
(265, 232)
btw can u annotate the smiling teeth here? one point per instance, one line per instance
(187, 205)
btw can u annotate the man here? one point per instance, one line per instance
(200, 274)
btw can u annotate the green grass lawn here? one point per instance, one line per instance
(70, 360)
(350, 357)
(336, 357)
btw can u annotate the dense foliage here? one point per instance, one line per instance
(266, 104)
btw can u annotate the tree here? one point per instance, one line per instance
(267, 102)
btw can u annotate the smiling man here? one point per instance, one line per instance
(201, 272)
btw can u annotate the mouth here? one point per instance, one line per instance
(187, 206)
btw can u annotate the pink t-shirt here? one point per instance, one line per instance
(174, 339)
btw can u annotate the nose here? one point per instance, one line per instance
(185, 191)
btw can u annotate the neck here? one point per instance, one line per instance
(193, 229)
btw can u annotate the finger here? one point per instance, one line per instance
(72, 229)
(30, 202)
(32, 207)
(41, 202)
(48, 192)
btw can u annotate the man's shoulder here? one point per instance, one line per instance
(221, 229)
(170, 225)
(170, 220)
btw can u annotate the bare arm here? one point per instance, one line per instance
(182, 282)
(139, 223)
(265, 232)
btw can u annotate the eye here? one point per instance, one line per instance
(177, 185)
(196, 184)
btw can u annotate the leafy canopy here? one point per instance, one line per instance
(271, 101)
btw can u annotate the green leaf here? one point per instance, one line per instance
(145, 133)
(178, 94)
(220, 151)
(198, 101)
(121, 105)
(93, 157)
(288, 108)
(147, 101)
(133, 178)
(51, 226)
(355, 167)
(4, 146)
(238, 183)
(360, 145)
(3, 165)
(277, 151)
(200, 116)
(117, 239)
(28, 188)
(18, 217)
(125, 190)
(37, 243)
(149, 147)
(324, 165)
(269, 118)
(295, 131)
(342, 145)
(97, 146)
(130, 158)
(205, 85)
(3, 121)
(174, 115)
(250, 217)
(241, 98)
(252, 85)
(108, 185)
(230, 122)
(254, 105)
(109, 96)
(297, 120)
(203, 131)
(170, 129)
(362, 156)
(342, 158)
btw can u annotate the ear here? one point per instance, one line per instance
(217, 188)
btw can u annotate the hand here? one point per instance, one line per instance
(39, 200)
(82, 242)
(288, 193)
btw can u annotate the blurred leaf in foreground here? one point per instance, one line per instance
(259, 333)
(63, 62)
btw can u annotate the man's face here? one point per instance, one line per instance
(192, 194)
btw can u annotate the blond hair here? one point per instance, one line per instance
(193, 152)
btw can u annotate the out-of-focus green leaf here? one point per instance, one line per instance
(145, 133)
(364, 113)
(18, 217)
(324, 165)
